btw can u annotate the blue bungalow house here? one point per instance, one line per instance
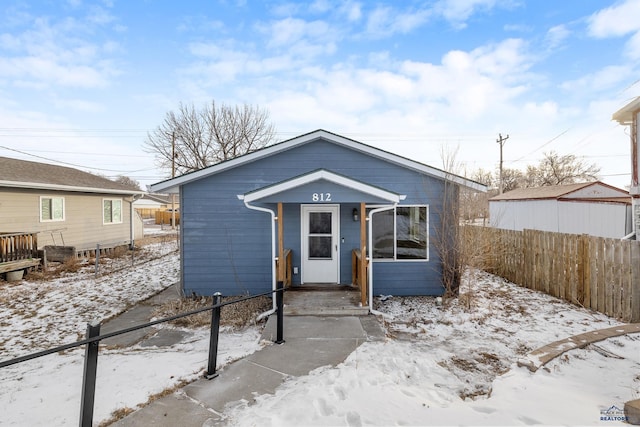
(316, 209)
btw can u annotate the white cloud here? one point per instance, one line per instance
(78, 105)
(617, 20)
(40, 72)
(320, 6)
(48, 52)
(519, 28)
(385, 21)
(557, 35)
(633, 47)
(352, 10)
(603, 79)
(458, 11)
(289, 31)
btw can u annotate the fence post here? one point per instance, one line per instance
(213, 338)
(97, 258)
(635, 281)
(89, 377)
(280, 314)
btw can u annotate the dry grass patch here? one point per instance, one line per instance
(236, 316)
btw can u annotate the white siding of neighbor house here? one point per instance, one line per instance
(596, 219)
(596, 191)
(525, 214)
(574, 217)
(82, 226)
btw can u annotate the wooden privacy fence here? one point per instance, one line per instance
(166, 217)
(594, 272)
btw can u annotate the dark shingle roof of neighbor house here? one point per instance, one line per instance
(558, 192)
(16, 173)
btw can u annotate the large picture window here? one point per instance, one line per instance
(112, 211)
(401, 233)
(51, 209)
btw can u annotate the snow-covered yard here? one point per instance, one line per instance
(456, 365)
(440, 365)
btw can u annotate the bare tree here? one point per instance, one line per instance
(447, 238)
(555, 169)
(128, 182)
(191, 139)
(512, 179)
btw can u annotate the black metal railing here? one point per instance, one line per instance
(93, 338)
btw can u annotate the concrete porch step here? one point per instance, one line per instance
(323, 300)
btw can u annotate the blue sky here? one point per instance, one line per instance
(82, 82)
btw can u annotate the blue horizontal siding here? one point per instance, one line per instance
(226, 247)
(407, 278)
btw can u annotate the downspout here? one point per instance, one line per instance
(132, 231)
(273, 252)
(369, 255)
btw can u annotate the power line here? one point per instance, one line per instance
(71, 164)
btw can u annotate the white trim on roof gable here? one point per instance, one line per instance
(172, 185)
(624, 116)
(321, 174)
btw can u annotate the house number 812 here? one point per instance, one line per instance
(321, 197)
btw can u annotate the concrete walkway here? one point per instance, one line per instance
(310, 342)
(543, 355)
(139, 314)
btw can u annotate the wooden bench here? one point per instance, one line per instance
(19, 264)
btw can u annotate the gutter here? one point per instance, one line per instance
(57, 187)
(132, 231)
(273, 251)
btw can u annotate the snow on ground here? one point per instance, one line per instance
(36, 315)
(456, 365)
(440, 365)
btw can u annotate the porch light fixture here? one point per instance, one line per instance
(355, 214)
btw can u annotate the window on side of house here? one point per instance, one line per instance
(401, 233)
(112, 211)
(51, 208)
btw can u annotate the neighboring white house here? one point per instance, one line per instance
(592, 208)
(628, 116)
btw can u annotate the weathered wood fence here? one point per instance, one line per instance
(18, 246)
(594, 272)
(166, 217)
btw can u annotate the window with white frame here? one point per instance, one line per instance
(51, 209)
(401, 233)
(111, 211)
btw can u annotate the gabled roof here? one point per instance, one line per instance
(172, 185)
(624, 116)
(559, 192)
(16, 173)
(322, 175)
(159, 198)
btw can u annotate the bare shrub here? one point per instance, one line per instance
(459, 245)
(71, 265)
(236, 316)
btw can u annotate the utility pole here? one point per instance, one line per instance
(173, 175)
(501, 141)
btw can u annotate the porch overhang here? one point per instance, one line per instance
(322, 186)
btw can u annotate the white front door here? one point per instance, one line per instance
(320, 248)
